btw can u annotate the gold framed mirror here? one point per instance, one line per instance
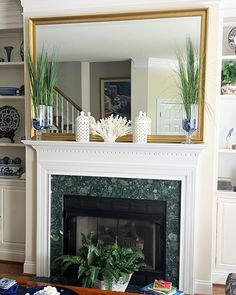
(141, 46)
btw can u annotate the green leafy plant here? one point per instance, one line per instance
(188, 71)
(109, 262)
(42, 77)
(122, 262)
(229, 72)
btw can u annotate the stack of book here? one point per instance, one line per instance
(8, 286)
(161, 287)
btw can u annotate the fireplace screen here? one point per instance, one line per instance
(138, 224)
(128, 233)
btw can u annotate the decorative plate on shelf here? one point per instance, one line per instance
(9, 119)
(9, 122)
(232, 39)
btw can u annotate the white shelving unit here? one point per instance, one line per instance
(12, 190)
(11, 97)
(224, 240)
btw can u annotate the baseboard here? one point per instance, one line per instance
(12, 255)
(220, 277)
(30, 267)
(203, 287)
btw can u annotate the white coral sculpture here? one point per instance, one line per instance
(111, 128)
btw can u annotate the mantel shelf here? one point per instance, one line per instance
(170, 154)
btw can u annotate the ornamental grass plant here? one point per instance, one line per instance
(188, 71)
(42, 77)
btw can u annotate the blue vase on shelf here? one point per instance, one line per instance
(9, 52)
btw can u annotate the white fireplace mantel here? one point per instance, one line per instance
(147, 161)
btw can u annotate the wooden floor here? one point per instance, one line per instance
(14, 270)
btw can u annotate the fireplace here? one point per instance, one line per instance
(139, 224)
(152, 204)
(152, 161)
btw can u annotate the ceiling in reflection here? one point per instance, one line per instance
(119, 40)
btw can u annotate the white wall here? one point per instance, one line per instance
(206, 162)
(205, 183)
(161, 84)
(69, 79)
(139, 88)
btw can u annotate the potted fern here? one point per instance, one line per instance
(188, 71)
(104, 266)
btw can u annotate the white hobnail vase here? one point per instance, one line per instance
(140, 129)
(91, 121)
(82, 128)
(149, 123)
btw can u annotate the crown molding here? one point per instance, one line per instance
(83, 6)
(154, 63)
(228, 8)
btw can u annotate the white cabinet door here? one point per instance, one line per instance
(226, 235)
(12, 221)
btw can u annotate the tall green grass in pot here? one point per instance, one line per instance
(188, 71)
(50, 80)
(42, 78)
(37, 72)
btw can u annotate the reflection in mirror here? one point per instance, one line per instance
(141, 48)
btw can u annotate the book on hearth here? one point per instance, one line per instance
(162, 285)
(150, 291)
(6, 283)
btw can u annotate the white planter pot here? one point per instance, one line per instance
(121, 285)
(49, 117)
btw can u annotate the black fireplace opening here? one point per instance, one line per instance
(133, 223)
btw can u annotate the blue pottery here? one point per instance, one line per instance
(8, 51)
(189, 125)
(36, 124)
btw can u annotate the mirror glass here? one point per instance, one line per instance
(136, 54)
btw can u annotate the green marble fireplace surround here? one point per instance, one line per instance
(126, 188)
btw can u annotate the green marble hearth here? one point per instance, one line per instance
(128, 188)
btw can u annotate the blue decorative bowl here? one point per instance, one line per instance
(10, 170)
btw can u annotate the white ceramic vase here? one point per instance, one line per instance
(140, 129)
(149, 123)
(82, 128)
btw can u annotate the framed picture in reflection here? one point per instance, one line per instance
(116, 97)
